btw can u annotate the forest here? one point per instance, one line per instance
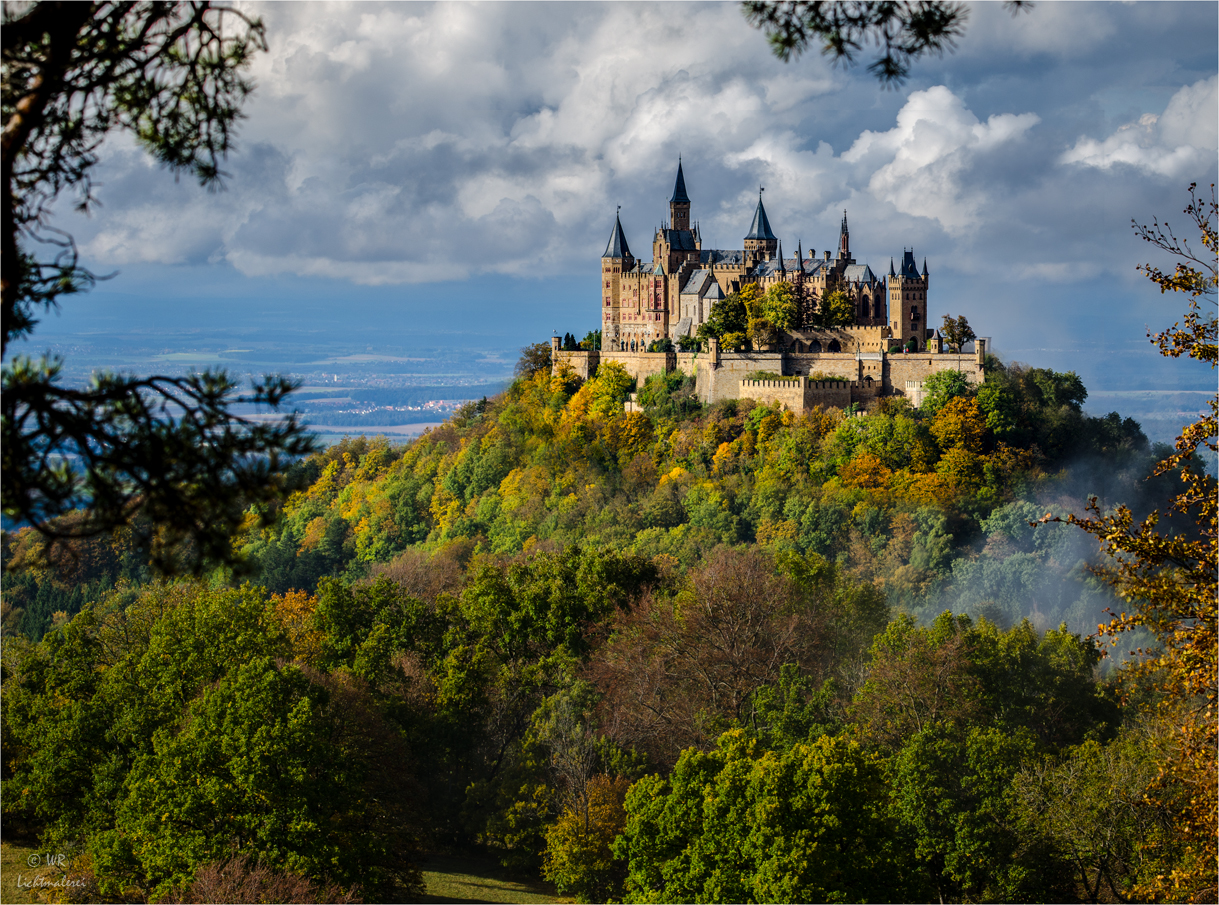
(692, 653)
(962, 652)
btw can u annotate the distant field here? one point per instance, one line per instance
(395, 433)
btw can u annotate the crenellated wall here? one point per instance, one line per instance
(865, 376)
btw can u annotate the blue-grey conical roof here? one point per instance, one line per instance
(760, 229)
(679, 188)
(617, 247)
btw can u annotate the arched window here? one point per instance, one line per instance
(815, 346)
(835, 346)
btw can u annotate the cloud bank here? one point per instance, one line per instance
(412, 144)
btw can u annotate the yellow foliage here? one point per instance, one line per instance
(961, 470)
(959, 425)
(724, 459)
(772, 530)
(675, 475)
(293, 611)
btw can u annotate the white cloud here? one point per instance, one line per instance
(927, 153)
(1179, 143)
(408, 143)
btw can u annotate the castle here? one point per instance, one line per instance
(888, 349)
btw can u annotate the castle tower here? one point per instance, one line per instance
(908, 303)
(761, 243)
(616, 261)
(679, 204)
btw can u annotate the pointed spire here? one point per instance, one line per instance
(679, 188)
(844, 223)
(892, 272)
(924, 267)
(617, 247)
(760, 228)
(782, 266)
(800, 257)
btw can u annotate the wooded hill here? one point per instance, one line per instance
(683, 654)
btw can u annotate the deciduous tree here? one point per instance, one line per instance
(1167, 575)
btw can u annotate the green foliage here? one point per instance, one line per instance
(670, 396)
(943, 386)
(836, 310)
(741, 824)
(579, 858)
(728, 315)
(779, 307)
(957, 332)
(535, 357)
(610, 388)
(189, 736)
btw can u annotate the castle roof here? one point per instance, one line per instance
(859, 273)
(680, 239)
(769, 268)
(697, 282)
(760, 229)
(617, 247)
(720, 256)
(714, 293)
(909, 267)
(679, 188)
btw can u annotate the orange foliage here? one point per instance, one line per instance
(865, 471)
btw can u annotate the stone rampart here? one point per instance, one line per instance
(583, 363)
(907, 371)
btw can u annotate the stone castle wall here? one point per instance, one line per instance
(721, 375)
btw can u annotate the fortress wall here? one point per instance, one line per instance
(724, 382)
(642, 365)
(832, 364)
(827, 394)
(583, 363)
(790, 394)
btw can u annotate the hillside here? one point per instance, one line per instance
(548, 629)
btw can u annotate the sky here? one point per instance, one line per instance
(448, 174)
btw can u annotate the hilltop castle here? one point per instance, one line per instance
(670, 297)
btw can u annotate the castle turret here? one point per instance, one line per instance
(617, 247)
(679, 204)
(616, 261)
(908, 303)
(760, 243)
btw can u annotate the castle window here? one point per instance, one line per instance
(913, 313)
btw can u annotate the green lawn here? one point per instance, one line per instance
(465, 878)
